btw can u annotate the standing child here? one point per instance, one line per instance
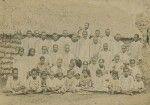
(115, 83)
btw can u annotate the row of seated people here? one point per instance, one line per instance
(127, 79)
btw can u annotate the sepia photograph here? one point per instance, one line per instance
(74, 52)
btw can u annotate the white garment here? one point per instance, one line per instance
(116, 47)
(48, 58)
(32, 62)
(13, 84)
(136, 50)
(94, 49)
(107, 56)
(124, 58)
(66, 58)
(34, 84)
(60, 83)
(93, 69)
(126, 84)
(134, 71)
(41, 43)
(84, 49)
(75, 49)
(56, 70)
(108, 40)
(118, 67)
(51, 83)
(55, 56)
(138, 85)
(98, 83)
(28, 43)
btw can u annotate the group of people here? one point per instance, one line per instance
(78, 62)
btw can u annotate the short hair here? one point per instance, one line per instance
(42, 57)
(34, 70)
(99, 71)
(87, 71)
(14, 69)
(85, 63)
(101, 60)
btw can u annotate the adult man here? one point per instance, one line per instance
(124, 57)
(58, 68)
(108, 39)
(75, 46)
(95, 47)
(67, 55)
(55, 54)
(106, 55)
(86, 28)
(43, 42)
(84, 47)
(116, 45)
(28, 42)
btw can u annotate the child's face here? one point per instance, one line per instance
(42, 60)
(85, 74)
(77, 76)
(21, 52)
(117, 59)
(34, 74)
(60, 77)
(43, 76)
(70, 75)
(99, 75)
(126, 73)
(85, 67)
(115, 76)
(51, 76)
(59, 62)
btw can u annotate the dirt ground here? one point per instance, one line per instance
(76, 99)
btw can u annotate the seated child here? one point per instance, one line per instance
(138, 84)
(43, 81)
(70, 85)
(115, 84)
(107, 82)
(86, 81)
(51, 83)
(60, 83)
(34, 82)
(14, 85)
(77, 82)
(126, 82)
(98, 81)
